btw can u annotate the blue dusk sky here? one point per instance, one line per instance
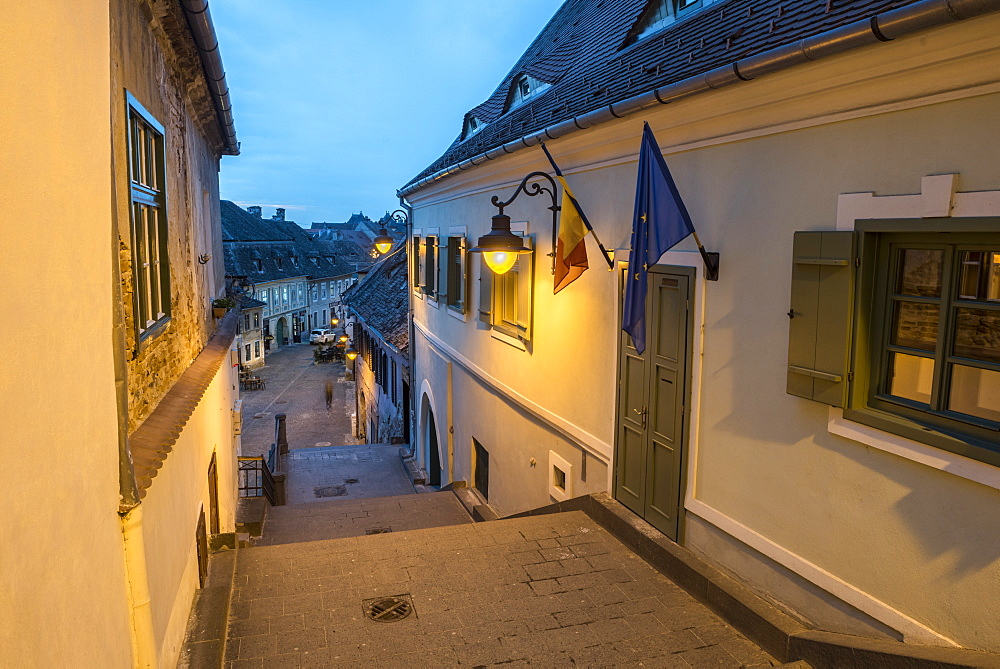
(340, 102)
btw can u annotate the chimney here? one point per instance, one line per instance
(279, 214)
(255, 210)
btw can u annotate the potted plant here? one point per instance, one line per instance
(221, 305)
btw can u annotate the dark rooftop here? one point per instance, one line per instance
(585, 54)
(273, 249)
(381, 299)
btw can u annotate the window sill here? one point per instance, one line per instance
(152, 333)
(507, 339)
(866, 427)
(456, 313)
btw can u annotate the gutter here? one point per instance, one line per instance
(883, 27)
(200, 22)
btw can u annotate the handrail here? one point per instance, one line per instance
(255, 478)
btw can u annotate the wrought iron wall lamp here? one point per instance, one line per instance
(500, 247)
(383, 242)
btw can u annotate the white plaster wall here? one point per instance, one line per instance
(755, 163)
(62, 585)
(172, 505)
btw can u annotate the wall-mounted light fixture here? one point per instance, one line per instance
(343, 338)
(204, 258)
(334, 321)
(351, 353)
(500, 247)
(383, 242)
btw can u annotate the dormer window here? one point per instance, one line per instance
(660, 14)
(472, 126)
(295, 261)
(260, 265)
(525, 88)
(279, 263)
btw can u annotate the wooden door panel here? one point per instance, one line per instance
(668, 341)
(663, 406)
(632, 468)
(663, 484)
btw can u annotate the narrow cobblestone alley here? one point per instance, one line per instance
(296, 387)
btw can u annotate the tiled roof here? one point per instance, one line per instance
(381, 299)
(254, 247)
(581, 54)
(240, 225)
(151, 442)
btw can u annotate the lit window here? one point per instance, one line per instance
(921, 357)
(505, 300)
(150, 266)
(256, 349)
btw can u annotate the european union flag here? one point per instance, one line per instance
(660, 221)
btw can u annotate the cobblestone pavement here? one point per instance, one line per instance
(296, 386)
(345, 472)
(553, 590)
(343, 518)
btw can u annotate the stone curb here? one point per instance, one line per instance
(784, 637)
(205, 639)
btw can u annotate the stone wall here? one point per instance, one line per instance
(154, 59)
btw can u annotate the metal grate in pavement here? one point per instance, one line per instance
(330, 491)
(388, 609)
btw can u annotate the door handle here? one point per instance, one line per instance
(642, 414)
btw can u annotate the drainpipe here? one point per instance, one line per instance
(129, 509)
(411, 356)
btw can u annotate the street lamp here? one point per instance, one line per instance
(334, 321)
(343, 338)
(351, 353)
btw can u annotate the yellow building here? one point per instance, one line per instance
(822, 421)
(118, 410)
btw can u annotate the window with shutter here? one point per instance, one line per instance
(455, 273)
(906, 334)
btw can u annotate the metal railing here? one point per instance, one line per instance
(255, 475)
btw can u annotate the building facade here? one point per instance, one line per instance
(378, 312)
(132, 465)
(298, 279)
(821, 421)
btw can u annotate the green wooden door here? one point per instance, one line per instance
(649, 460)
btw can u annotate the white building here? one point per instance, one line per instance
(821, 422)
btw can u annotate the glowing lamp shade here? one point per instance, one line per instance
(383, 242)
(500, 261)
(500, 247)
(334, 322)
(343, 338)
(351, 354)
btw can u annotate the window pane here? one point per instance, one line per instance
(975, 392)
(979, 276)
(916, 325)
(977, 334)
(920, 272)
(911, 377)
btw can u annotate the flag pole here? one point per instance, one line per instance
(607, 255)
(711, 260)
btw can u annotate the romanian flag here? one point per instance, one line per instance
(571, 251)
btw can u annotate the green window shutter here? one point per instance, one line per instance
(822, 309)
(525, 290)
(485, 292)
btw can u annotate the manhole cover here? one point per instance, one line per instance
(379, 530)
(330, 491)
(388, 609)
(350, 480)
